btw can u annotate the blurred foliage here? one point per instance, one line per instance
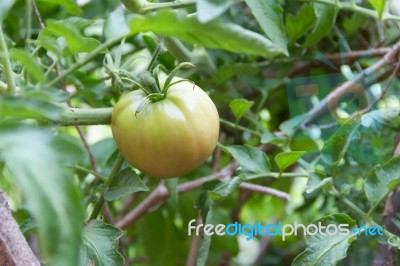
(265, 64)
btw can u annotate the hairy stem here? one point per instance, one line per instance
(6, 62)
(80, 116)
(100, 201)
(85, 60)
(356, 209)
(358, 9)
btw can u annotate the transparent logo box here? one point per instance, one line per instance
(306, 92)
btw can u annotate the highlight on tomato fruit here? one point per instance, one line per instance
(166, 134)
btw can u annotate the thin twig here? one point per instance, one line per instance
(194, 247)
(264, 190)
(160, 194)
(385, 90)
(322, 107)
(37, 14)
(57, 68)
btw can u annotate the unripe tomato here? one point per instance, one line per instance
(170, 137)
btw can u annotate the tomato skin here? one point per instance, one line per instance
(170, 137)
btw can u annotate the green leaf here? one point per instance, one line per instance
(326, 18)
(162, 241)
(302, 23)
(204, 248)
(70, 5)
(386, 117)
(127, 182)
(29, 107)
(285, 159)
(379, 6)
(50, 195)
(100, 245)
(226, 72)
(215, 34)
(207, 10)
(269, 15)
(5, 6)
(224, 189)
(250, 159)
(336, 146)
(77, 43)
(115, 25)
(29, 62)
(382, 180)
(240, 107)
(327, 249)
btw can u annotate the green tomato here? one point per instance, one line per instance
(170, 137)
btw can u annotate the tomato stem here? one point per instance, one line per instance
(156, 53)
(100, 201)
(6, 62)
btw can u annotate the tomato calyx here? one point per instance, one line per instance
(152, 85)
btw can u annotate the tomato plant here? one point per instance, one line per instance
(169, 137)
(301, 96)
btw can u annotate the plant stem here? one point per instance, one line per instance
(28, 17)
(231, 124)
(156, 53)
(175, 4)
(177, 49)
(356, 209)
(276, 175)
(85, 60)
(100, 201)
(6, 62)
(80, 116)
(357, 9)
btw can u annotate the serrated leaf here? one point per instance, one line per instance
(240, 107)
(77, 43)
(28, 107)
(327, 249)
(50, 195)
(215, 34)
(381, 180)
(377, 118)
(29, 62)
(269, 15)
(126, 183)
(100, 245)
(207, 10)
(335, 148)
(285, 159)
(224, 189)
(325, 20)
(302, 23)
(5, 6)
(250, 159)
(70, 5)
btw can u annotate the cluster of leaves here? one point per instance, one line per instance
(246, 57)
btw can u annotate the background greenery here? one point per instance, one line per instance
(290, 148)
